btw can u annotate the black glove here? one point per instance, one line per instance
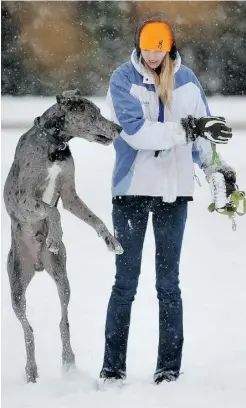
(213, 128)
(230, 181)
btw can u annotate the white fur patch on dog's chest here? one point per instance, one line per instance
(51, 178)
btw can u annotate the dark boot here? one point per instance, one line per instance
(165, 376)
(112, 376)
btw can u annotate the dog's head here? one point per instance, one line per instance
(83, 119)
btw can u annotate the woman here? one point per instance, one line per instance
(154, 172)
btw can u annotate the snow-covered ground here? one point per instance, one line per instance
(213, 281)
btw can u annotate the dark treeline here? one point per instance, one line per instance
(50, 46)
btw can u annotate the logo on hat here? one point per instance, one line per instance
(160, 44)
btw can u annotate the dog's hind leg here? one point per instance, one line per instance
(19, 280)
(55, 265)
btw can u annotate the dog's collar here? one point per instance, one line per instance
(53, 139)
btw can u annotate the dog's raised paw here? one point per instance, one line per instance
(113, 245)
(119, 250)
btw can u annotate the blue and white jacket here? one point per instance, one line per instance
(149, 126)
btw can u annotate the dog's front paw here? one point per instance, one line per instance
(53, 244)
(113, 245)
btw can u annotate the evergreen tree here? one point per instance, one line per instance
(106, 31)
(217, 56)
(11, 64)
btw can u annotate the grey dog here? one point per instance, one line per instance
(41, 173)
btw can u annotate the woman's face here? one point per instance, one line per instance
(153, 58)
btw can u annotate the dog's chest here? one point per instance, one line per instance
(50, 189)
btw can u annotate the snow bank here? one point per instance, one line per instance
(20, 111)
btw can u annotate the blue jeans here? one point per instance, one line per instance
(130, 221)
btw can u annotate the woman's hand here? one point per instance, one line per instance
(213, 128)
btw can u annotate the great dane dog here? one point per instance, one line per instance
(41, 173)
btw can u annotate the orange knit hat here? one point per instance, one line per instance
(156, 36)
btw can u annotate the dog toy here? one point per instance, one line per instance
(227, 198)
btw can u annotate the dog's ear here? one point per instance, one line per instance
(59, 99)
(72, 100)
(77, 92)
(55, 122)
(71, 93)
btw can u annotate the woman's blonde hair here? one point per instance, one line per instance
(165, 80)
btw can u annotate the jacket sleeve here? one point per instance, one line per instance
(138, 132)
(202, 148)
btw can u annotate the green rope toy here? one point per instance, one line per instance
(236, 204)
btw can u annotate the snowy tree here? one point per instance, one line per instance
(51, 46)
